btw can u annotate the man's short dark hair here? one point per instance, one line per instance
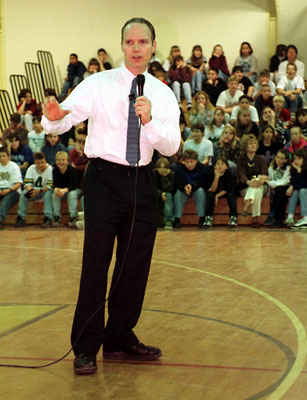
(140, 21)
(4, 149)
(292, 46)
(190, 154)
(237, 68)
(15, 117)
(73, 55)
(244, 96)
(39, 155)
(198, 127)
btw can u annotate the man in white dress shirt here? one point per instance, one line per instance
(109, 184)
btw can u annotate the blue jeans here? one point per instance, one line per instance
(69, 84)
(197, 81)
(168, 208)
(199, 198)
(186, 87)
(296, 195)
(72, 200)
(24, 202)
(293, 105)
(7, 202)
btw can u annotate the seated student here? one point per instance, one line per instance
(75, 72)
(202, 112)
(10, 182)
(37, 135)
(268, 143)
(51, 147)
(276, 59)
(218, 62)
(38, 184)
(102, 59)
(174, 52)
(229, 98)
(245, 84)
(77, 157)
(265, 99)
(264, 80)
(197, 63)
(27, 108)
(21, 153)
(92, 68)
(228, 146)
(221, 184)
(291, 58)
(160, 74)
(155, 66)
(301, 121)
(268, 117)
(244, 125)
(164, 179)
(65, 183)
(278, 181)
(297, 190)
(214, 85)
(291, 87)
(189, 182)
(214, 129)
(15, 119)
(180, 76)
(252, 174)
(245, 104)
(247, 61)
(282, 118)
(198, 143)
(297, 141)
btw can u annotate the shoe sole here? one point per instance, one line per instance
(85, 371)
(121, 355)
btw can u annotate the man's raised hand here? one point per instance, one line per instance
(52, 110)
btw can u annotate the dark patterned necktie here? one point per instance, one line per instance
(132, 151)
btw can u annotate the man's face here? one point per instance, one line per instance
(212, 75)
(41, 165)
(190, 163)
(295, 134)
(4, 158)
(291, 71)
(232, 86)
(137, 47)
(73, 60)
(291, 54)
(264, 79)
(61, 161)
(266, 92)
(238, 74)
(244, 104)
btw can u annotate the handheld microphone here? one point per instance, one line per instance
(140, 80)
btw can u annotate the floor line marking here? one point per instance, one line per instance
(299, 327)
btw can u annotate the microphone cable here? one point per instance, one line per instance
(140, 82)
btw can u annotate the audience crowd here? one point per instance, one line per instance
(244, 133)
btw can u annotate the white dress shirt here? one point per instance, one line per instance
(103, 99)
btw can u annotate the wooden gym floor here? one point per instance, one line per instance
(227, 307)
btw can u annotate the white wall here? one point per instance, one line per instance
(82, 26)
(293, 26)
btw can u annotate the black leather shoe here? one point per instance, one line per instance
(85, 364)
(138, 352)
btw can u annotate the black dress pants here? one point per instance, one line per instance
(109, 195)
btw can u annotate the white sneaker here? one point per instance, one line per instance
(80, 224)
(290, 222)
(301, 223)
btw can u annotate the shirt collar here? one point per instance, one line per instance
(128, 75)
